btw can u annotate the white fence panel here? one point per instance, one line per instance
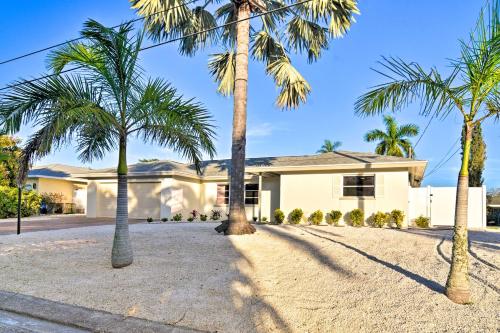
(438, 203)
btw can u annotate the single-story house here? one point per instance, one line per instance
(341, 180)
(58, 178)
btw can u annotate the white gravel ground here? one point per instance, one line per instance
(283, 278)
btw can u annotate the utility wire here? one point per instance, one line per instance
(163, 43)
(423, 132)
(79, 38)
(444, 160)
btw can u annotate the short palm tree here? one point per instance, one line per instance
(471, 90)
(395, 140)
(304, 28)
(102, 107)
(329, 146)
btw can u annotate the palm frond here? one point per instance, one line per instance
(375, 135)
(408, 82)
(294, 88)
(227, 14)
(222, 69)
(200, 20)
(307, 36)
(171, 15)
(266, 48)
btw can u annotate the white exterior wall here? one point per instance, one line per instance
(438, 203)
(324, 191)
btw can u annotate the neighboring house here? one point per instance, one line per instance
(58, 178)
(340, 180)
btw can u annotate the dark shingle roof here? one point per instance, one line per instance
(57, 170)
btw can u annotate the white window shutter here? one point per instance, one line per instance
(337, 186)
(379, 186)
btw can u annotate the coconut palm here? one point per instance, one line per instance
(472, 91)
(395, 140)
(304, 28)
(329, 146)
(101, 108)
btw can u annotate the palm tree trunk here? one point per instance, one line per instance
(121, 254)
(458, 284)
(238, 224)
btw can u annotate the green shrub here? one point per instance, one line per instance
(30, 202)
(203, 217)
(190, 219)
(177, 217)
(333, 217)
(279, 216)
(316, 217)
(149, 219)
(379, 219)
(422, 222)
(357, 217)
(216, 215)
(164, 219)
(397, 217)
(296, 216)
(264, 219)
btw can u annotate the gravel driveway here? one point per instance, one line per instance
(283, 278)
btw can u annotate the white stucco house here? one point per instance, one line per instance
(341, 180)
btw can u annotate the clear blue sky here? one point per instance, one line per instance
(425, 31)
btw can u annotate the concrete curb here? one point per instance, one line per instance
(80, 317)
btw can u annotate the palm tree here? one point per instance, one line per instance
(102, 107)
(307, 27)
(329, 147)
(395, 140)
(471, 90)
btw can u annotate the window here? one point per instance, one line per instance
(222, 195)
(359, 186)
(251, 194)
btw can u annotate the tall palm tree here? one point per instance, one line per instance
(102, 107)
(304, 28)
(395, 140)
(329, 146)
(471, 90)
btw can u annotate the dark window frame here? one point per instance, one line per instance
(358, 186)
(222, 200)
(251, 194)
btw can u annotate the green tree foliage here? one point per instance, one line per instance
(30, 204)
(329, 146)
(477, 157)
(9, 160)
(395, 140)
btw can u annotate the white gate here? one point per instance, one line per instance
(438, 203)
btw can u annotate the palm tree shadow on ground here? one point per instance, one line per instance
(432, 285)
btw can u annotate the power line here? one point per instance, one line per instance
(423, 132)
(163, 43)
(444, 160)
(79, 38)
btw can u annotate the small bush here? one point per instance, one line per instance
(264, 219)
(357, 217)
(316, 217)
(296, 216)
(194, 214)
(379, 219)
(422, 222)
(190, 219)
(149, 219)
(216, 215)
(164, 219)
(397, 217)
(279, 216)
(30, 202)
(177, 217)
(203, 217)
(333, 217)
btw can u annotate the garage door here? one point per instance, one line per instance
(143, 200)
